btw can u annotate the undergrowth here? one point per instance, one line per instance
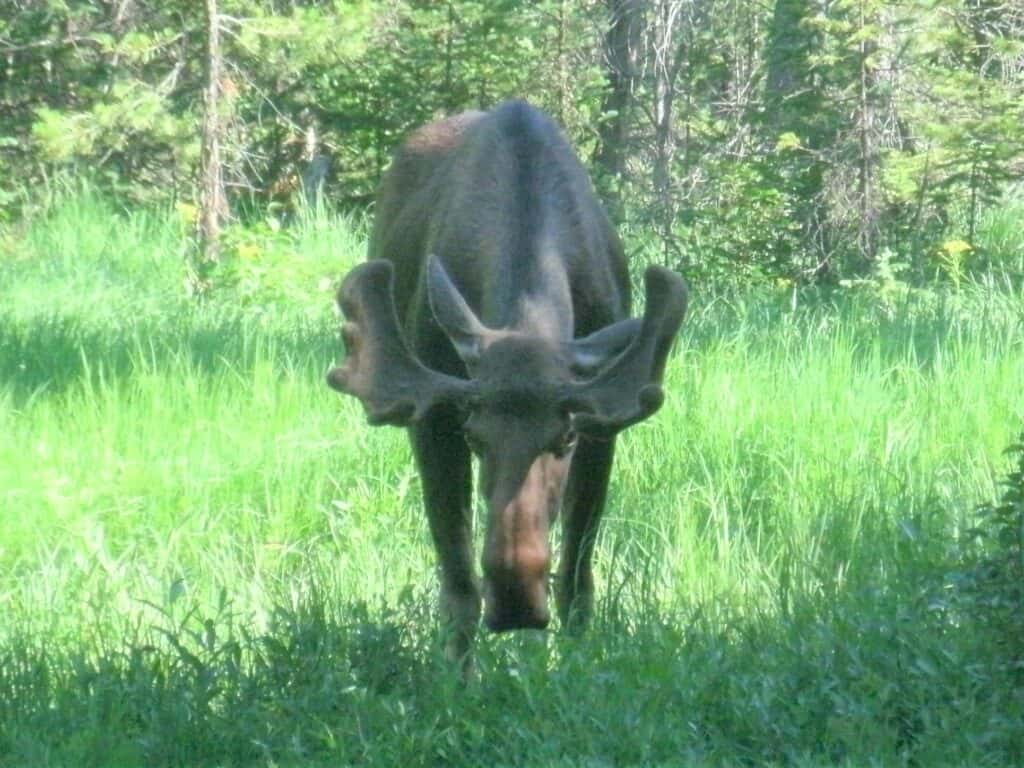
(207, 558)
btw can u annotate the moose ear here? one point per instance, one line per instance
(591, 353)
(453, 314)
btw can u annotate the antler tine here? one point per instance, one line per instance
(629, 390)
(380, 369)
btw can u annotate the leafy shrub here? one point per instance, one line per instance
(266, 263)
(994, 577)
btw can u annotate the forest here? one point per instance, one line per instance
(813, 553)
(794, 139)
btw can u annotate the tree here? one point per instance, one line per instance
(797, 138)
(213, 207)
(620, 59)
(799, 125)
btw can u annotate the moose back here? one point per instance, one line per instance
(493, 317)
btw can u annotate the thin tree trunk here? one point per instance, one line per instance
(663, 97)
(621, 44)
(213, 204)
(449, 64)
(795, 102)
(672, 51)
(865, 170)
(562, 74)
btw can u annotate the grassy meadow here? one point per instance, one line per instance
(207, 558)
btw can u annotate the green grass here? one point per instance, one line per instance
(207, 558)
(1000, 238)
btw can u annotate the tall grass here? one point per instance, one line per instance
(208, 559)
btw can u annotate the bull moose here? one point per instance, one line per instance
(492, 318)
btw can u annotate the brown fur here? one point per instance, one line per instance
(525, 263)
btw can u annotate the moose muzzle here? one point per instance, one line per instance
(517, 556)
(516, 594)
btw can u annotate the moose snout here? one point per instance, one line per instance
(517, 556)
(516, 593)
(516, 605)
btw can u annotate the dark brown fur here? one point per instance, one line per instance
(525, 263)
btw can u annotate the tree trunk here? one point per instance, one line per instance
(671, 33)
(621, 50)
(795, 103)
(213, 204)
(867, 215)
(561, 72)
(449, 62)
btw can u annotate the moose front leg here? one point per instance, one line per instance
(446, 476)
(584, 503)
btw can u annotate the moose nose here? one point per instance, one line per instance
(515, 604)
(505, 620)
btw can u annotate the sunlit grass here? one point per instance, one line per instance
(207, 558)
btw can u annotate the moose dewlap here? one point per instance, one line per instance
(493, 318)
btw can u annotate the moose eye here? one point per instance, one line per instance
(564, 444)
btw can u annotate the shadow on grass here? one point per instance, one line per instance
(111, 338)
(878, 678)
(54, 352)
(195, 690)
(54, 340)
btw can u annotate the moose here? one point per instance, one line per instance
(493, 318)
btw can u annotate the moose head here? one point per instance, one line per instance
(525, 401)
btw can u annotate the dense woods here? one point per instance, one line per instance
(794, 138)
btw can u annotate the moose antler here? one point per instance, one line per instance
(629, 389)
(380, 369)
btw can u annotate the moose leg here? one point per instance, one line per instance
(584, 502)
(445, 473)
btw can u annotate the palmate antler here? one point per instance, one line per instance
(396, 388)
(629, 389)
(380, 369)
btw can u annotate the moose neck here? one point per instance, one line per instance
(535, 295)
(522, 183)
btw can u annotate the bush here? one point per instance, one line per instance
(993, 577)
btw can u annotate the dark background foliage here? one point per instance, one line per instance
(797, 139)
